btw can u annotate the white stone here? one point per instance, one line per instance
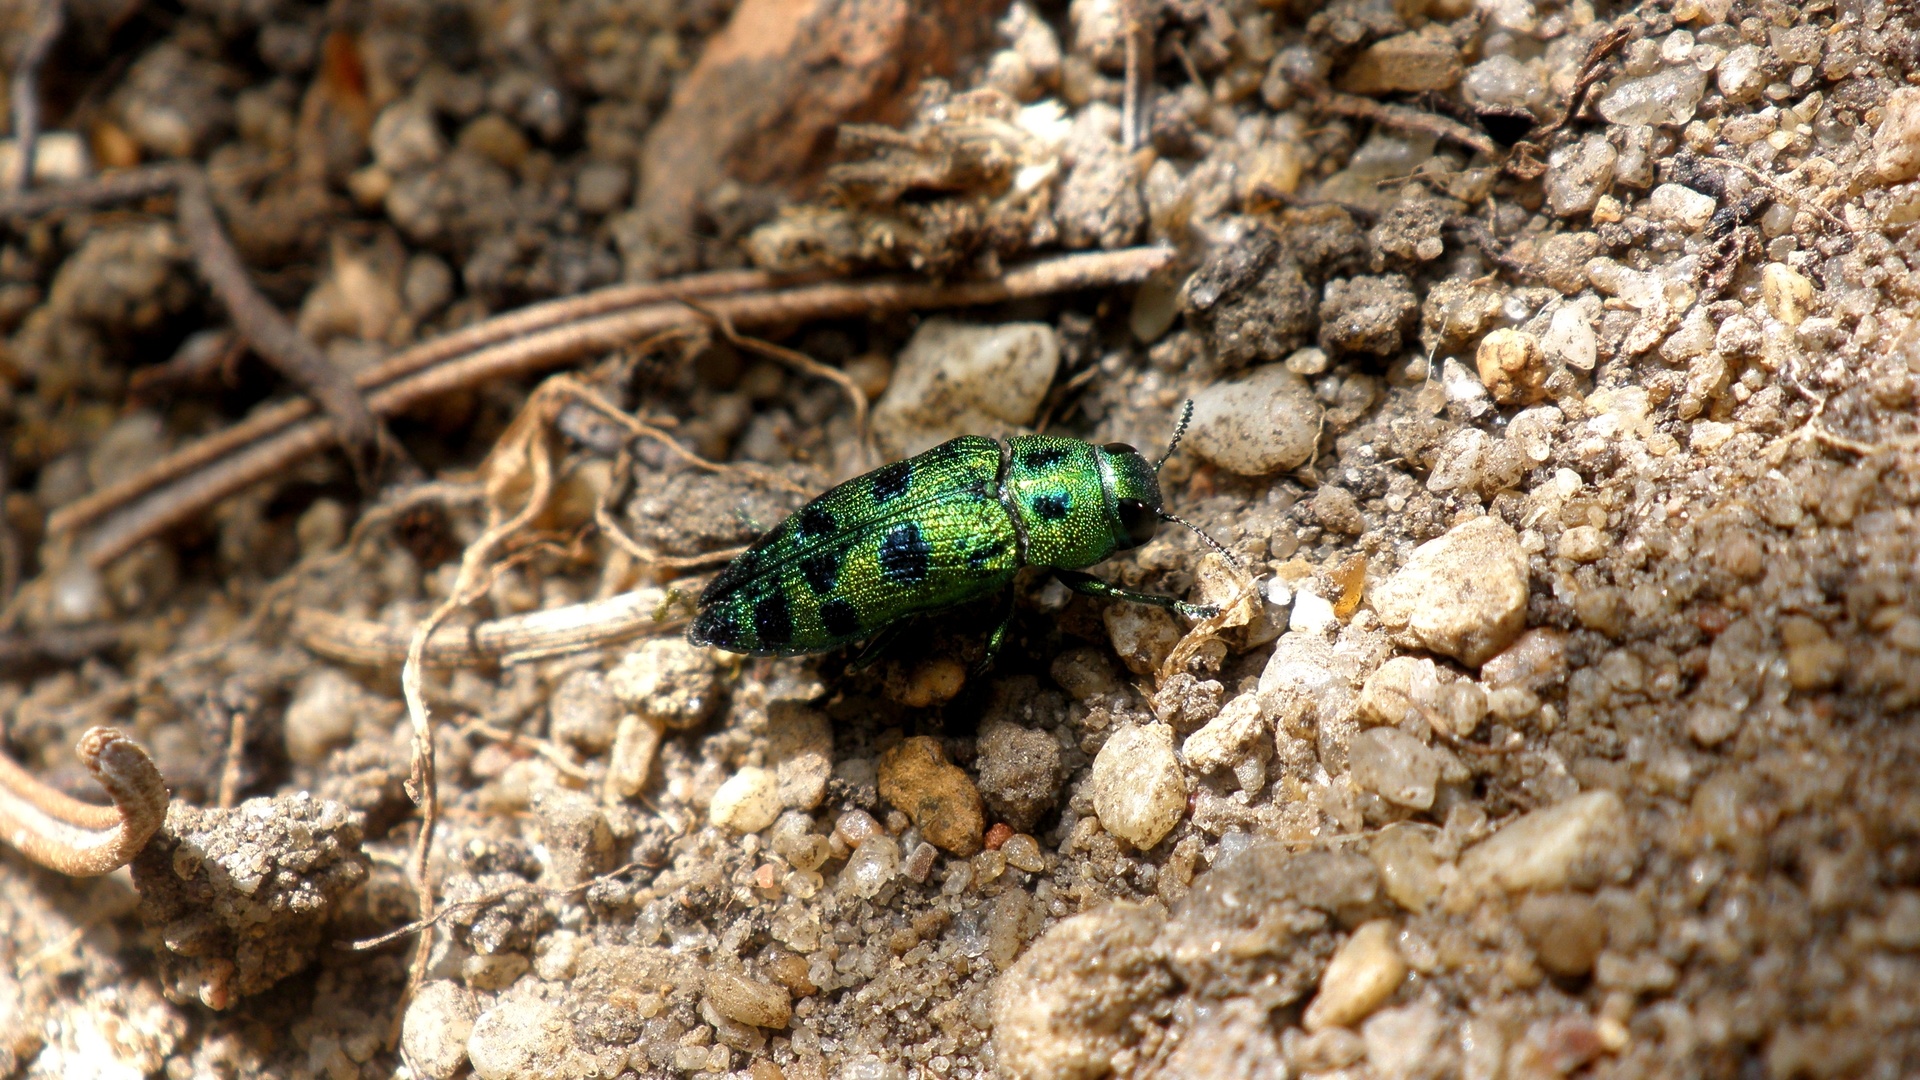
(1463, 593)
(1896, 143)
(322, 714)
(1360, 978)
(1682, 205)
(1668, 96)
(1463, 388)
(59, 157)
(1395, 766)
(956, 378)
(1064, 1009)
(1503, 82)
(1582, 543)
(1579, 841)
(1706, 436)
(1312, 613)
(800, 750)
(1228, 737)
(406, 137)
(748, 802)
(1262, 422)
(1578, 174)
(1742, 73)
(668, 679)
(434, 1033)
(1571, 337)
(1403, 1042)
(1139, 792)
(519, 1040)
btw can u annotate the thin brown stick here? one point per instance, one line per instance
(222, 474)
(230, 767)
(1136, 97)
(124, 185)
(1406, 119)
(269, 332)
(48, 22)
(76, 838)
(277, 418)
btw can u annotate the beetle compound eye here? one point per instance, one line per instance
(1119, 448)
(1139, 520)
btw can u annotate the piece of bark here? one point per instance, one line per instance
(763, 104)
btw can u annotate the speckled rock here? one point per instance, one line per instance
(582, 713)
(956, 378)
(1360, 978)
(1896, 142)
(1463, 593)
(1019, 771)
(668, 679)
(749, 1001)
(800, 751)
(1262, 422)
(1395, 766)
(1062, 1011)
(1579, 842)
(434, 1034)
(748, 802)
(519, 1039)
(939, 796)
(242, 897)
(1139, 792)
(322, 713)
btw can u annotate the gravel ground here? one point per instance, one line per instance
(1560, 718)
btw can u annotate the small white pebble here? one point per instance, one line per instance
(1311, 614)
(748, 802)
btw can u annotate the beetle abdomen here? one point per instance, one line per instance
(914, 536)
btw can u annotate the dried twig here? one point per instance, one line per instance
(48, 22)
(536, 634)
(230, 767)
(257, 320)
(798, 361)
(269, 332)
(1406, 119)
(76, 838)
(236, 464)
(1592, 69)
(1136, 99)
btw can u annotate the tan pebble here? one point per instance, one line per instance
(749, 1001)
(1404, 63)
(1575, 842)
(1463, 593)
(1582, 544)
(800, 751)
(1567, 931)
(1139, 792)
(1360, 978)
(940, 797)
(1896, 143)
(1513, 367)
(1787, 294)
(1814, 660)
(1408, 870)
(748, 802)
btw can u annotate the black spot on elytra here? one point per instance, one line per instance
(839, 617)
(904, 555)
(979, 557)
(1043, 458)
(816, 520)
(1053, 506)
(715, 626)
(772, 619)
(821, 569)
(892, 481)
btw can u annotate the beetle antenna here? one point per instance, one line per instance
(1180, 430)
(1211, 542)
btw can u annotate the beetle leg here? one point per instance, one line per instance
(995, 640)
(1088, 585)
(876, 645)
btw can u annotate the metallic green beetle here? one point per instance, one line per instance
(945, 527)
